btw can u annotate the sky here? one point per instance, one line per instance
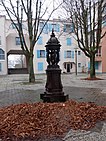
(46, 3)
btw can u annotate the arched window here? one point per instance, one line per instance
(2, 54)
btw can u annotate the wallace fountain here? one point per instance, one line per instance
(53, 89)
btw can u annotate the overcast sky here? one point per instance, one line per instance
(47, 3)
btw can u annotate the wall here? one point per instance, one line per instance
(3, 45)
(103, 43)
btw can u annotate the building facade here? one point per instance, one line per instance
(67, 51)
(10, 44)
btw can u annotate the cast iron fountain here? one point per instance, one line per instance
(53, 89)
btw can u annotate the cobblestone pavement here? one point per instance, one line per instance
(15, 89)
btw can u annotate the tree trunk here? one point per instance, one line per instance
(31, 69)
(29, 65)
(27, 61)
(92, 66)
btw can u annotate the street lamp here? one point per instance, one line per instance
(76, 60)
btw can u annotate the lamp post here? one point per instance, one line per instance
(53, 88)
(76, 60)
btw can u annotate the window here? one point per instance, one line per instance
(17, 41)
(41, 53)
(104, 11)
(68, 41)
(104, 16)
(69, 54)
(13, 26)
(0, 67)
(0, 40)
(2, 54)
(40, 66)
(45, 28)
(79, 52)
(96, 65)
(40, 42)
(79, 65)
(104, 21)
(68, 28)
(48, 27)
(98, 52)
(56, 27)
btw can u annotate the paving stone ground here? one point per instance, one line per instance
(15, 89)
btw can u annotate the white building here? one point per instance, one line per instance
(10, 44)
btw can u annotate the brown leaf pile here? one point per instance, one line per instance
(48, 119)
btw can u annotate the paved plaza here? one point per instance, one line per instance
(15, 89)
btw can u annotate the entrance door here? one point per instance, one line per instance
(68, 67)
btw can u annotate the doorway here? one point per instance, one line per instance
(68, 67)
(16, 62)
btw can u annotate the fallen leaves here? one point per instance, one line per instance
(95, 78)
(48, 119)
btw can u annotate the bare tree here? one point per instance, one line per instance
(34, 11)
(87, 19)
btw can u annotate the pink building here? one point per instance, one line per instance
(103, 51)
(100, 59)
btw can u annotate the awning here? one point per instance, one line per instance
(69, 62)
(15, 52)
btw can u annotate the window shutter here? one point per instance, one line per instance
(38, 53)
(68, 41)
(96, 65)
(2, 54)
(64, 29)
(45, 54)
(72, 54)
(65, 54)
(88, 65)
(39, 42)
(79, 52)
(58, 28)
(40, 66)
(45, 30)
(72, 28)
(50, 27)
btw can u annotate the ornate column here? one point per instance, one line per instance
(53, 89)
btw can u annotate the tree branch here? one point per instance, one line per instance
(24, 7)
